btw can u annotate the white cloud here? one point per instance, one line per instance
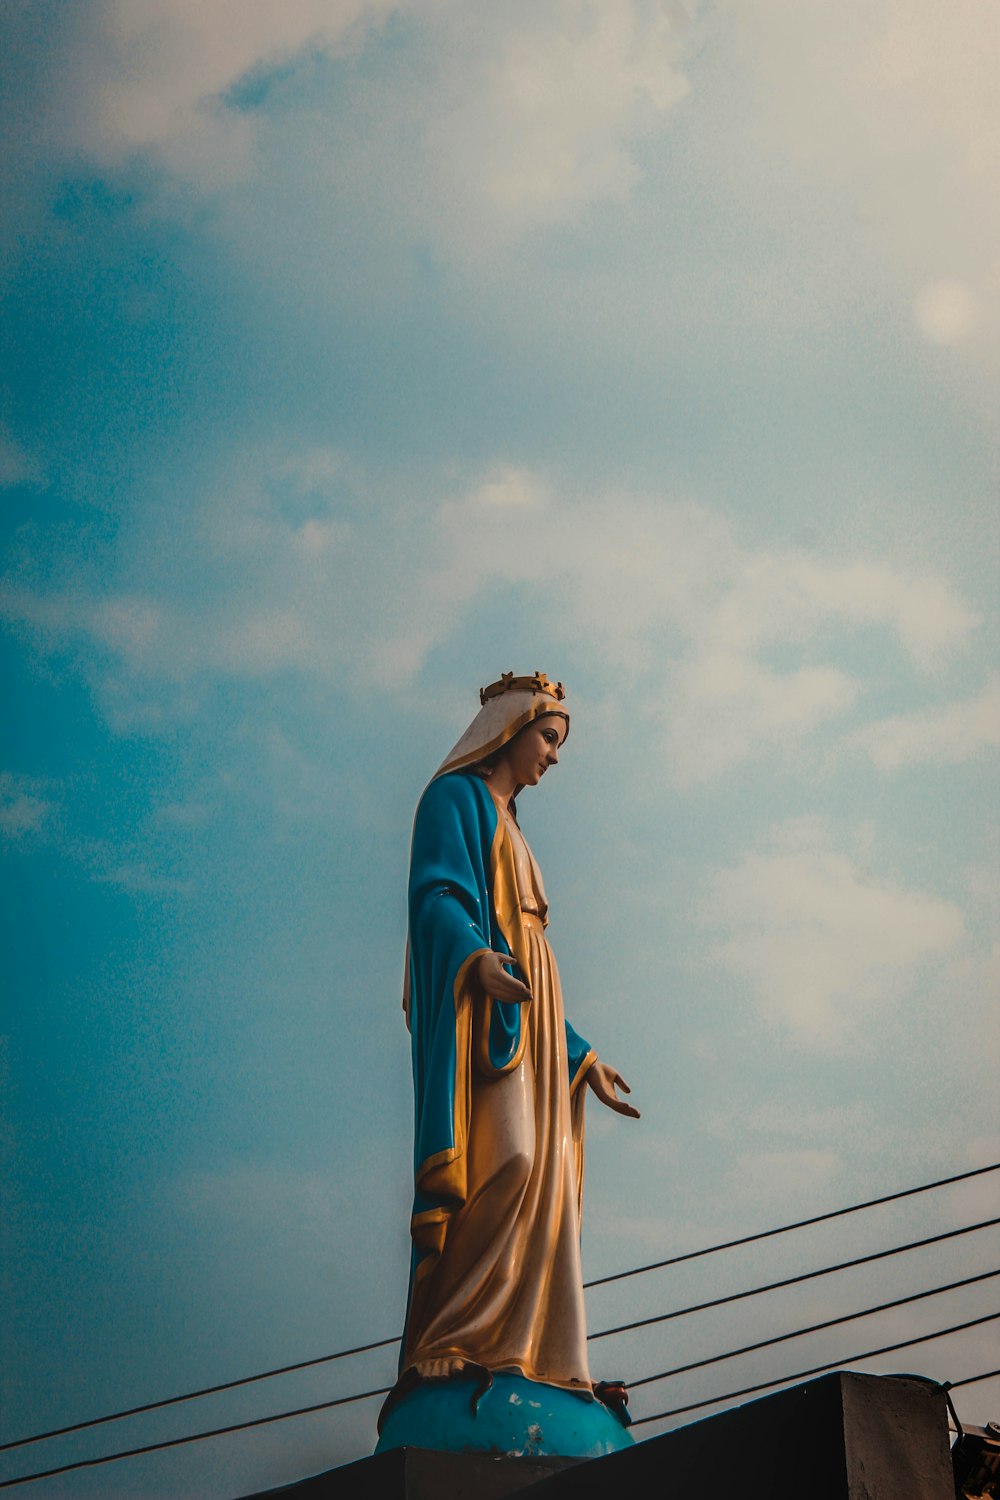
(151, 75)
(184, 815)
(491, 120)
(793, 1116)
(479, 124)
(894, 109)
(510, 489)
(307, 565)
(17, 465)
(824, 947)
(50, 615)
(129, 625)
(137, 877)
(23, 810)
(788, 594)
(781, 1176)
(946, 735)
(725, 702)
(925, 613)
(726, 706)
(537, 108)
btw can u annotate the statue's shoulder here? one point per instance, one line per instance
(457, 794)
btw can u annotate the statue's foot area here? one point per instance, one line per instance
(513, 1416)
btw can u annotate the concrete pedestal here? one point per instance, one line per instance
(841, 1437)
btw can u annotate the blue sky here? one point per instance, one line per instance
(355, 351)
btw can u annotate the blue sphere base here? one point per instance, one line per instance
(516, 1417)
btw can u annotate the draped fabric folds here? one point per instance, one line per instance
(498, 1161)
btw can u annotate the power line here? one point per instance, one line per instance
(783, 1338)
(192, 1437)
(851, 1359)
(773, 1286)
(88, 1463)
(305, 1364)
(953, 1385)
(765, 1234)
(208, 1390)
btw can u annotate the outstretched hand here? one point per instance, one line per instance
(494, 979)
(602, 1078)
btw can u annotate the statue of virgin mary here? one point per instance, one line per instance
(500, 1076)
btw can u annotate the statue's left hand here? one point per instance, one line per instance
(602, 1078)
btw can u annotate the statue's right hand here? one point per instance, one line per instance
(494, 979)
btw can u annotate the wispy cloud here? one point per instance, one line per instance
(894, 108)
(824, 946)
(540, 109)
(138, 878)
(25, 809)
(727, 702)
(519, 115)
(667, 588)
(17, 465)
(298, 571)
(724, 706)
(792, 1117)
(944, 735)
(191, 814)
(153, 76)
(796, 1174)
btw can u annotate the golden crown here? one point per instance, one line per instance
(539, 683)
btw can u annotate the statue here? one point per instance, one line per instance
(495, 1324)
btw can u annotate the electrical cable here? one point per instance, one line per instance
(953, 1385)
(208, 1390)
(850, 1359)
(87, 1463)
(783, 1338)
(193, 1437)
(773, 1286)
(306, 1364)
(766, 1234)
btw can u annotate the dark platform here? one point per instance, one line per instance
(422, 1474)
(841, 1437)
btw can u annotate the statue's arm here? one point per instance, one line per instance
(580, 1057)
(586, 1067)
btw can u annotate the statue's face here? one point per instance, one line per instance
(532, 751)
